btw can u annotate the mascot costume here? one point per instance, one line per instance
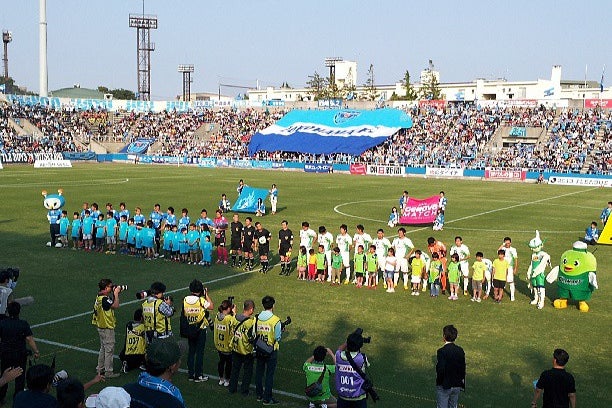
(54, 203)
(576, 277)
(535, 273)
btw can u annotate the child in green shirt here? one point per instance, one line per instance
(435, 269)
(453, 276)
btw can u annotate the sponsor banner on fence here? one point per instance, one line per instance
(420, 211)
(317, 167)
(40, 164)
(80, 155)
(23, 157)
(208, 162)
(385, 170)
(580, 181)
(594, 103)
(443, 171)
(501, 174)
(358, 168)
(432, 103)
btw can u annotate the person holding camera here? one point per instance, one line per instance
(450, 370)
(223, 339)
(103, 318)
(318, 372)
(6, 292)
(268, 330)
(15, 334)
(352, 384)
(157, 310)
(242, 348)
(195, 310)
(39, 378)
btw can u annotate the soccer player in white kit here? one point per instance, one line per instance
(403, 249)
(382, 244)
(307, 236)
(464, 254)
(512, 259)
(344, 242)
(326, 239)
(361, 238)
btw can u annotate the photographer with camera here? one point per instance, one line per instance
(103, 318)
(352, 384)
(6, 292)
(222, 325)
(194, 324)
(157, 310)
(268, 329)
(317, 378)
(242, 348)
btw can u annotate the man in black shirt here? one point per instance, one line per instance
(285, 244)
(15, 333)
(558, 385)
(236, 240)
(262, 243)
(248, 232)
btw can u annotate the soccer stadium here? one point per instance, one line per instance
(399, 209)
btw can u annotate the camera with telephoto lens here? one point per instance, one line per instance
(230, 299)
(168, 298)
(286, 323)
(121, 287)
(366, 340)
(143, 294)
(11, 272)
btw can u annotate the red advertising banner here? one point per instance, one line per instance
(500, 174)
(594, 103)
(357, 168)
(433, 103)
(419, 212)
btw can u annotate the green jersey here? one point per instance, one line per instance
(372, 262)
(336, 260)
(434, 270)
(453, 272)
(313, 372)
(302, 260)
(359, 262)
(321, 260)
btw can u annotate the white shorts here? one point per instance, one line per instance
(346, 259)
(401, 265)
(111, 240)
(382, 260)
(415, 279)
(510, 276)
(465, 268)
(86, 236)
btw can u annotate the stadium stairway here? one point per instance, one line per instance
(20, 131)
(595, 152)
(29, 128)
(205, 132)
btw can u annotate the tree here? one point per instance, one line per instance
(431, 89)
(317, 86)
(120, 93)
(370, 93)
(411, 93)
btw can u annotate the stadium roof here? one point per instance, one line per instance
(78, 93)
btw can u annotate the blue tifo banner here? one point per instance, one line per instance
(317, 167)
(139, 146)
(247, 200)
(89, 155)
(348, 131)
(518, 131)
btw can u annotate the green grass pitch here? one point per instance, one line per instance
(507, 345)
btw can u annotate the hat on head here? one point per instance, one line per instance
(111, 397)
(162, 353)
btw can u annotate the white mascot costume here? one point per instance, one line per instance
(535, 273)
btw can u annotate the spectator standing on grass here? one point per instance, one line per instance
(154, 388)
(242, 348)
(157, 310)
(195, 306)
(558, 385)
(223, 340)
(103, 318)
(15, 334)
(273, 198)
(450, 370)
(314, 367)
(268, 327)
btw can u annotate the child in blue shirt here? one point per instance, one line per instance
(76, 231)
(139, 238)
(184, 221)
(204, 232)
(170, 217)
(183, 245)
(100, 233)
(139, 218)
(87, 226)
(193, 236)
(111, 232)
(123, 232)
(167, 243)
(131, 236)
(148, 240)
(207, 248)
(175, 238)
(64, 223)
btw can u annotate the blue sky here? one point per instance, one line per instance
(239, 42)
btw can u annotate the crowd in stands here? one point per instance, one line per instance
(455, 136)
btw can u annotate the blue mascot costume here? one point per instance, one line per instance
(54, 203)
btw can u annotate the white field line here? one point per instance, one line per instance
(182, 370)
(62, 319)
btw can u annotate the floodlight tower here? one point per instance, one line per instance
(144, 24)
(331, 63)
(7, 37)
(43, 78)
(186, 70)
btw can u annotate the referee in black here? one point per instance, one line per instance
(285, 244)
(262, 244)
(236, 240)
